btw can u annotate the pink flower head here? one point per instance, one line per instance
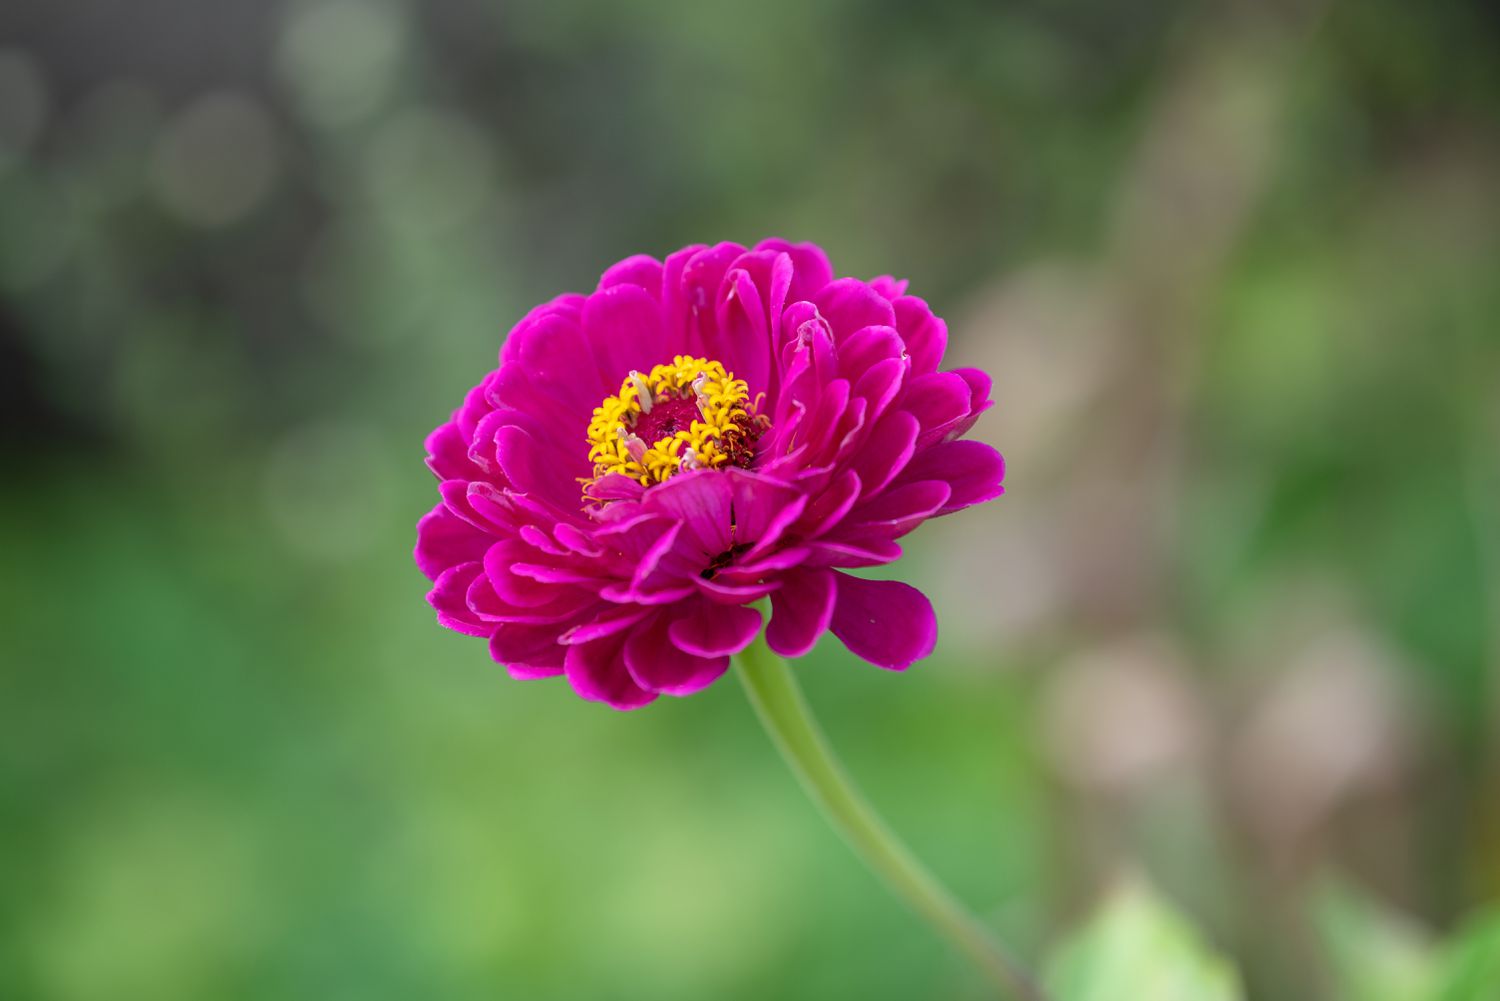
(651, 460)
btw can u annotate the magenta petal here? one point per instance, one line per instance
(557, 574)
(634, 595)
(597, 672)
(938, 400)
(564, 604)
(973, 470)
(780, 281)
(890, 287)
(444, 539)
(658, 552)
(535, 670)
(607, 623)
(810, 267)
(887, 451)
(848, 304)
(898, 510)
(851, 429)
(565, 309)
(979, 401)
(448, 453)
(577, 541)
(726, 593)
(715, 630)
(543, 354)
(614, 486)
(514, 589)
(763, 508)
(808, 339)
(476, 404)
(642, 270)
(482, 445)
(485, 603)
(755, 568)
(620, 523)
(980, 385)
(500, 512)
(482, 504)
(879, 385)
(925, 335)
(449, 598)
(783, 519)
(800, 612)
(656, 664)
(674, 301)
(853, 553)
(698, 284)
(701, 501)
(830, 506)
(625, 331)
(527, 651)
(539, 539)
(526, 465)
(820, 429)
(885, 622)
(866, 348)
(744, 334)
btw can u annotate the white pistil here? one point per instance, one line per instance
(690, 461)
(642, 391)
(633, 444)
(702, 394)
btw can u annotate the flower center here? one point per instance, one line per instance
(689, 414)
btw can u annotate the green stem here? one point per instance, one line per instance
(782, 710)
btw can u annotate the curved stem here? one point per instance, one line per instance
(782, 710)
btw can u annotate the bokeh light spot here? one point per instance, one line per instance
(216, 160)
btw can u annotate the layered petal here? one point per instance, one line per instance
(445, 540)
(974, 472)
(886, 622)
(801, 611)
(597, 672)
(658, 665)
(710, 630)
(838, 433)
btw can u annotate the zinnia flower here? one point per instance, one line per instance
(650, 461)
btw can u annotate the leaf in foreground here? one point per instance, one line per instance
(1137, 946)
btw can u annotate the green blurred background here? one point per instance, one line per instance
(1236, 625)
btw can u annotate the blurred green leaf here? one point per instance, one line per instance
(1374, 952)
(1473, 961)
(1137, 946)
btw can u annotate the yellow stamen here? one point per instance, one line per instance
(707, 433)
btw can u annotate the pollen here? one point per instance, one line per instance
(686, 415)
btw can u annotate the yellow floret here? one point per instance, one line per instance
(721, 401)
